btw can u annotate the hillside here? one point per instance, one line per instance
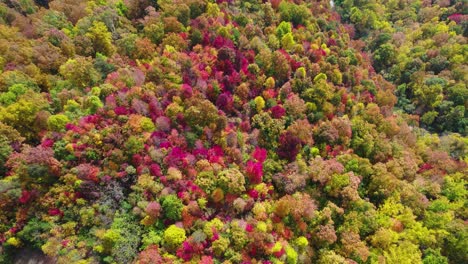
(195, 131)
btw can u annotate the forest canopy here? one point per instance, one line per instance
(228, 131)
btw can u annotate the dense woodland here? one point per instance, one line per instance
(195, 131)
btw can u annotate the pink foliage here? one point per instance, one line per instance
(47, 143)
(215, 154)
(121, 110)
(458, 18)
(277, 111)
(55, 211)
(254, 171)
(153, 209)
(186, 251)
(259, 154)
(155, 170)
(25, 197)
(206, 260)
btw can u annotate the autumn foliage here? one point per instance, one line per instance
(234, 131)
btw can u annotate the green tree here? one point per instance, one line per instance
(172, 207)
(283, 29)
(23, 114)
(384, 56)
(5, 151)
(80, 72)
(101, 38)
(291, 12)
(173, 237)
(403, 253)
(57, 122)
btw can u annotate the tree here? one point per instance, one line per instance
(73, 10)
(297, 14)
(5, 151)
(23, 114)
(155, 32)
(283, 29)
(429, 94)
(172, 207)
(101, 38)
(48, 57)
(57, 122)
(270, 129)
(80, 72)
(384, 56)
(173, 237)
(404, 253)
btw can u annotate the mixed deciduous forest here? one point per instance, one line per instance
(228, 131)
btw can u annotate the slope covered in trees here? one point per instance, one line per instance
(421, 47)
(193, 131)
